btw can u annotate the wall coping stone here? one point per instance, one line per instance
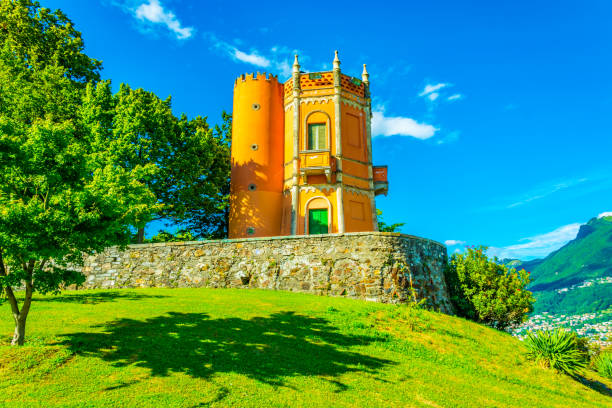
(284, 237)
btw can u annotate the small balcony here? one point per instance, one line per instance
(316, 162)
(381, 185)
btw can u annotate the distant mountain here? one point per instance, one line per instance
(577, 278)
(518, 264)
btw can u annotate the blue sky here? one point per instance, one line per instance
(494, 117)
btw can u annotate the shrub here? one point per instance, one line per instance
(603, 363)
(558, 349)
(483, 290)
(384, 227)
(165, 236)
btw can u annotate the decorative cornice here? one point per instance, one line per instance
(324, 188)
(358, 191)
(354, 101)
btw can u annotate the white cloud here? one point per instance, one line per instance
(397, 125)
(454, 97)
(432, 88)
(277, 60)
(433, 96)
(251, 58)
(153, 12)
(539, 245)
(605, 214)
(452, 242)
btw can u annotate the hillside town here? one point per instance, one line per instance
(596, 326)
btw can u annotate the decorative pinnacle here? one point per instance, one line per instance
(336, 61)
(365, 77)
(296, 65)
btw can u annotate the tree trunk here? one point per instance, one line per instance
(19, 335)
(20, 316)
(140, 238)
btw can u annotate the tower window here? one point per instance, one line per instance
(256, 106)
(316, 136)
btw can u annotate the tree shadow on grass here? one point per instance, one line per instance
(268, 349)
(99, 297)
(595, 385)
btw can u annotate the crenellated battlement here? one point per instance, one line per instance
(259, 76)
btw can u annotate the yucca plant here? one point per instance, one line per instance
(603, 363)
(557, 349)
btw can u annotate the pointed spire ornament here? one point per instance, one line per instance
(336, 61)
(365, 77)
(296, 65)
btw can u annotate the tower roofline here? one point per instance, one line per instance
(259, 76)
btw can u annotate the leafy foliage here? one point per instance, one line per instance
(205, 198)
(486, 291)
(41, 38)
(384, 227)
(557, 349)
(165, 236)
(183, 161)
(603, 363)
(60, 194)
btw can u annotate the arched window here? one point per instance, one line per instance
(317, 136)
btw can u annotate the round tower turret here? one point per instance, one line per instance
(257, 157)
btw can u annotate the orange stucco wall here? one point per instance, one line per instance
(353, 133)
(257, 158)
(357, 212)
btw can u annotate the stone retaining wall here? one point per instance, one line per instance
(374, 266)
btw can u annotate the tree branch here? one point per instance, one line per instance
(9, 291)
(25, 308)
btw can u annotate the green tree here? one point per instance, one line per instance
(186, 162)
(207, 212)
(39, 38)
(383, 227)
(60, 194)
(486, 291)
(137, 128)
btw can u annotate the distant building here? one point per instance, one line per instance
(302, 155)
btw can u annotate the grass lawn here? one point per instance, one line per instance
(223, 347)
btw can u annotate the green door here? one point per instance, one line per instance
(317, 221)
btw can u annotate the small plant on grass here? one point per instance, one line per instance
(558, 349)
(410, 313)
(603, 363)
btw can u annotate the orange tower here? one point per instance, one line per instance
(257, 157)
(302, 155)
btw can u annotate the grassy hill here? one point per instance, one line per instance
(207, 347)
(571, 280)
